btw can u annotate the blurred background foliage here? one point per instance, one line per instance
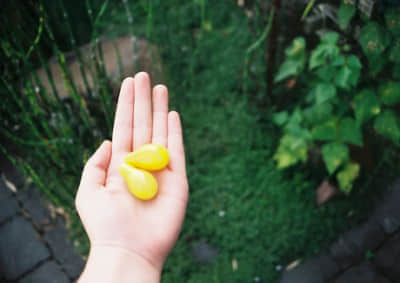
(218, 59)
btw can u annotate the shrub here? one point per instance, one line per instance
(339, 100)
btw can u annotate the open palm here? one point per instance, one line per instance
(113, 217)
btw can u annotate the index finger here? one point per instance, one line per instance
(123, 131)
(123, 123)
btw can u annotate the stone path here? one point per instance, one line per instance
(369, 253)
(34, 245)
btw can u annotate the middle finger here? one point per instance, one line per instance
(142, 121)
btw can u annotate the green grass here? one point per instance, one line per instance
(270, 216)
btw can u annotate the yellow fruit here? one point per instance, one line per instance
(141, 183)
(148, 157)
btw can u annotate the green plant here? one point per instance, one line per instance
(49, 137)
(228, 142)
(345, 13)
(337, 106)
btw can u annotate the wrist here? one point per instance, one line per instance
(116, 264)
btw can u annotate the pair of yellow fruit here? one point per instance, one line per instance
(149, 157)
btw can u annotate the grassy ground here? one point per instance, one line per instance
(239, 203)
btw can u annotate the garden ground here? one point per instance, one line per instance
(256, 218)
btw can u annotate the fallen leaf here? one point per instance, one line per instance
(9, 184)
(293, 264)
(325, 191)
(234, 264)
(291, 83)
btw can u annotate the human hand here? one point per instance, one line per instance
(125, 232)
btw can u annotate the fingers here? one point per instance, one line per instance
(175, 144)
(95, 171)
(123, 124)
(123, 129)
(142, 121)
(160, 115)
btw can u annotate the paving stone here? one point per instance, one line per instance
(388, 214)
(63, 250)
(8, 205)
(390, 225)
(20, 248)
(35, 206)
(387, 259)
(344, 253)
(351, 248)
(327, 266)
(364, 273)
(49, 272)
(316, 270)
(353, 245)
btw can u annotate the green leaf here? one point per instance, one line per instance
(392, 19)
(389, 92)
(387, 124)
(280, 118)
(345, 14)
(318, 113)
(376, 63)
(317, 57)
(394, 55)
(339, 61)
(298, 131)
(294, 128)
(310, 96)
(330, 38)
(334, 155)
(366, 105)
(326, 50)
(350, 132)
(353, 62)
(326, 73)
(297, 145)
(373, 39)
(343, 77)
(349, 73)
(287, 69)
(347, 176)
(297, 48)
(284, 159)
(295, 61)
(326, 131)
(296, 117)
(290, 151)
(324, 92)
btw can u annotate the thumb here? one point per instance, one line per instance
(95, 171)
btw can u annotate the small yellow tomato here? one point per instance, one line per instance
(148, 157)
(141, 183)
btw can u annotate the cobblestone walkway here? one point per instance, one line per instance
(369, 253)
(34, 245)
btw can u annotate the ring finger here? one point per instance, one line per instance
(160, 115)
